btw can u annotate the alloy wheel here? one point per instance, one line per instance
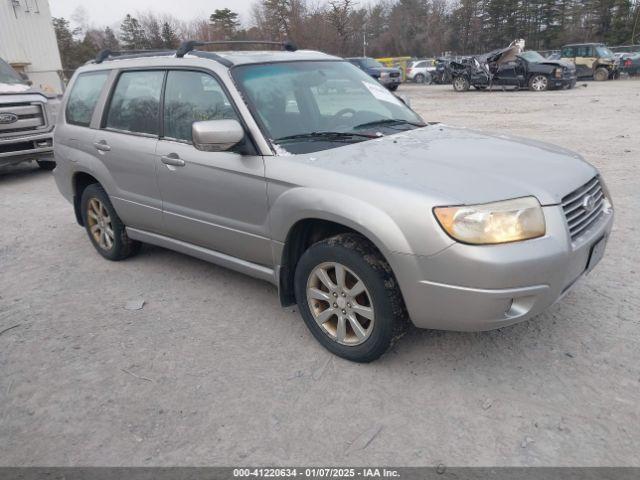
(100, 224)
(340, 303)
(539, 83)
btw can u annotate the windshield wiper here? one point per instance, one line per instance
(389, 122)
(337, 136)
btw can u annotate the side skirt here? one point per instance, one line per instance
(222, 259)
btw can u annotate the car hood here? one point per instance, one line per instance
(558, 63)
(460, 166)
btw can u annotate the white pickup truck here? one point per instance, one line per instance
(27, 119)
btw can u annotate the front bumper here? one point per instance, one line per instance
(475, 288)
(26, 147)
(390, 81)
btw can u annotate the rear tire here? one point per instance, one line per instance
(461, 84)
(601, 74)
(419, 78)
(371, 319)
(105, 229)
(46, 164)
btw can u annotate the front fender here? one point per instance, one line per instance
(300, 203)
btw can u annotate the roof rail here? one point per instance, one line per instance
(106, 53)
(188, 45)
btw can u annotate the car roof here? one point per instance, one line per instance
(227, 58)
(583, 44)
(245, 57)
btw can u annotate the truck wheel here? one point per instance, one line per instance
(393, 88)
(105, 229)
(539, 83)
(46, 164)
(349, 298)
(601, 74)
(419, 78)
(461, 84)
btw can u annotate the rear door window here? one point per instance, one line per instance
(135, 102)
(193, 97)
(84, 97)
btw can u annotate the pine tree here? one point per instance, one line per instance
(224, 23)
(169, 37)
(110, 40)
(132, 35)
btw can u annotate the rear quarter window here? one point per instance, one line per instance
(84, 97)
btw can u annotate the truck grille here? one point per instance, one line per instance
(583, 207)
(30, 117)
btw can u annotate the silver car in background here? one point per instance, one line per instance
(361, 213)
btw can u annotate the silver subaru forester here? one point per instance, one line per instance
(300, 169)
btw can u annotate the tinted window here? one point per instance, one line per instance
(567, 52)
(193, 97)
(135, 103)
(84, 96)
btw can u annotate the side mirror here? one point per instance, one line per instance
(216, 135)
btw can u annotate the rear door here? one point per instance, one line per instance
(127, 143)
(216, 200)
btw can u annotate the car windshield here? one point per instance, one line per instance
(532, 56)
(308, 106)
(604, 52)
(8, 74)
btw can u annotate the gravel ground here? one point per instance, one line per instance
(212, 372)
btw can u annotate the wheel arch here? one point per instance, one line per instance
(302, 216)
(81, 180)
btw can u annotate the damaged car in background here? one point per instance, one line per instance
(27, 118)
(514, 68)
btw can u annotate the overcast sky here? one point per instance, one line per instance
(111, 12)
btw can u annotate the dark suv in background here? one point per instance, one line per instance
(389, 77)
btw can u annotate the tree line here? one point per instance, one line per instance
(416, 28)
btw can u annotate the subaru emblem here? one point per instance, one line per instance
(589, 203)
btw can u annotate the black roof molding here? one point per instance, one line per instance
(189, 45)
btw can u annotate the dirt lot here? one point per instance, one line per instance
(212, 372)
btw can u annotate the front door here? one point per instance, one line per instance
(215, 200)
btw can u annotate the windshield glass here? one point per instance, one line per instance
(309, 99)
(604, 52)
(371, 63)
(533, 56)
(8, 74)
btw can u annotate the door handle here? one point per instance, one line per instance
(102, 146)
(172, 159)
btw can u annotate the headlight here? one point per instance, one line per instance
(497, 222)
(384, 74)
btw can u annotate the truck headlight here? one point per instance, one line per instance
(496, 222)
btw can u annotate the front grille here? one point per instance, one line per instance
(584, 207)
(394, 74)
(30, 117)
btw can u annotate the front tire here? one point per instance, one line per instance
(105, 229)
(601, 74)
(539, 83)
(393, 88)
(349, 298)
(461, 84)
(46, 164)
